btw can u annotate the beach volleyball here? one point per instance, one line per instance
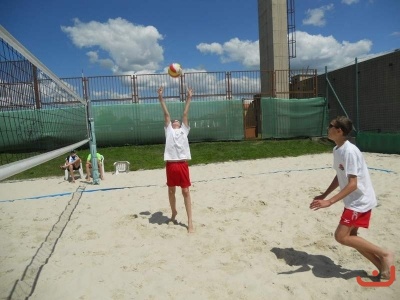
(175, 70)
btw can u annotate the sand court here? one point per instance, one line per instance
(255, 235)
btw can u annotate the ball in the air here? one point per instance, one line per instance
(175, 70)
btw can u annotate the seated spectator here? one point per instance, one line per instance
(89, 166)
(72, 162)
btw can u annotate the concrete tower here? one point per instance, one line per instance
(273, 42)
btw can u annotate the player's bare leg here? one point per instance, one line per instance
(369, 255)
(172, 202)
(101, 171)
(71, 172)
(387, 262)
(88, 170)
(188, 206)
(345, 235)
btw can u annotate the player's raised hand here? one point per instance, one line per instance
(189, 92)
(160, 91)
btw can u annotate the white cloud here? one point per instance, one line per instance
(313, 51)
(125, 46)
(350, 2)
(317, 51)
(213, 48)
(316, 16)
(245, 52)
(105, 63)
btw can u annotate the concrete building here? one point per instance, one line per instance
(273, 43)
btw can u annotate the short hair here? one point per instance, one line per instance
(73, 151)
(343, 123)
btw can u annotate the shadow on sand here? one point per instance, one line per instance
(320, 265)
(159, 219)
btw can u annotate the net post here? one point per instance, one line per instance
(92, 144)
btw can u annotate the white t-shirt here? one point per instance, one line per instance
(348, 160)
(71, 159)
(177, 143)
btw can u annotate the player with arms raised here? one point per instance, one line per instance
(176, 155)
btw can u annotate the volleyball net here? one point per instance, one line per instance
(41, 116)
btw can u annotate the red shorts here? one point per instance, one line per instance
(352, 218)
(178, 174)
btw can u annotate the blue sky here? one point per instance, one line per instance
(126, 36)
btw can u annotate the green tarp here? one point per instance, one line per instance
(379, 142)
(290, 118)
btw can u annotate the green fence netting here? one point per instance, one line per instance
(42, 129)
(290, 118)
(138, 124)
(133, 124)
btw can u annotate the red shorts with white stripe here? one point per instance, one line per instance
(178, 174)
(352, 218)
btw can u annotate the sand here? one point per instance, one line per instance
(255, 236)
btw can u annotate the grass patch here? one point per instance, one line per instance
(147, 157)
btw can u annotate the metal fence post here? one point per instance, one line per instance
(357, 108)
(228, 77)
(36, 87)
(134, 89)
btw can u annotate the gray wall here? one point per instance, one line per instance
(378, 93)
